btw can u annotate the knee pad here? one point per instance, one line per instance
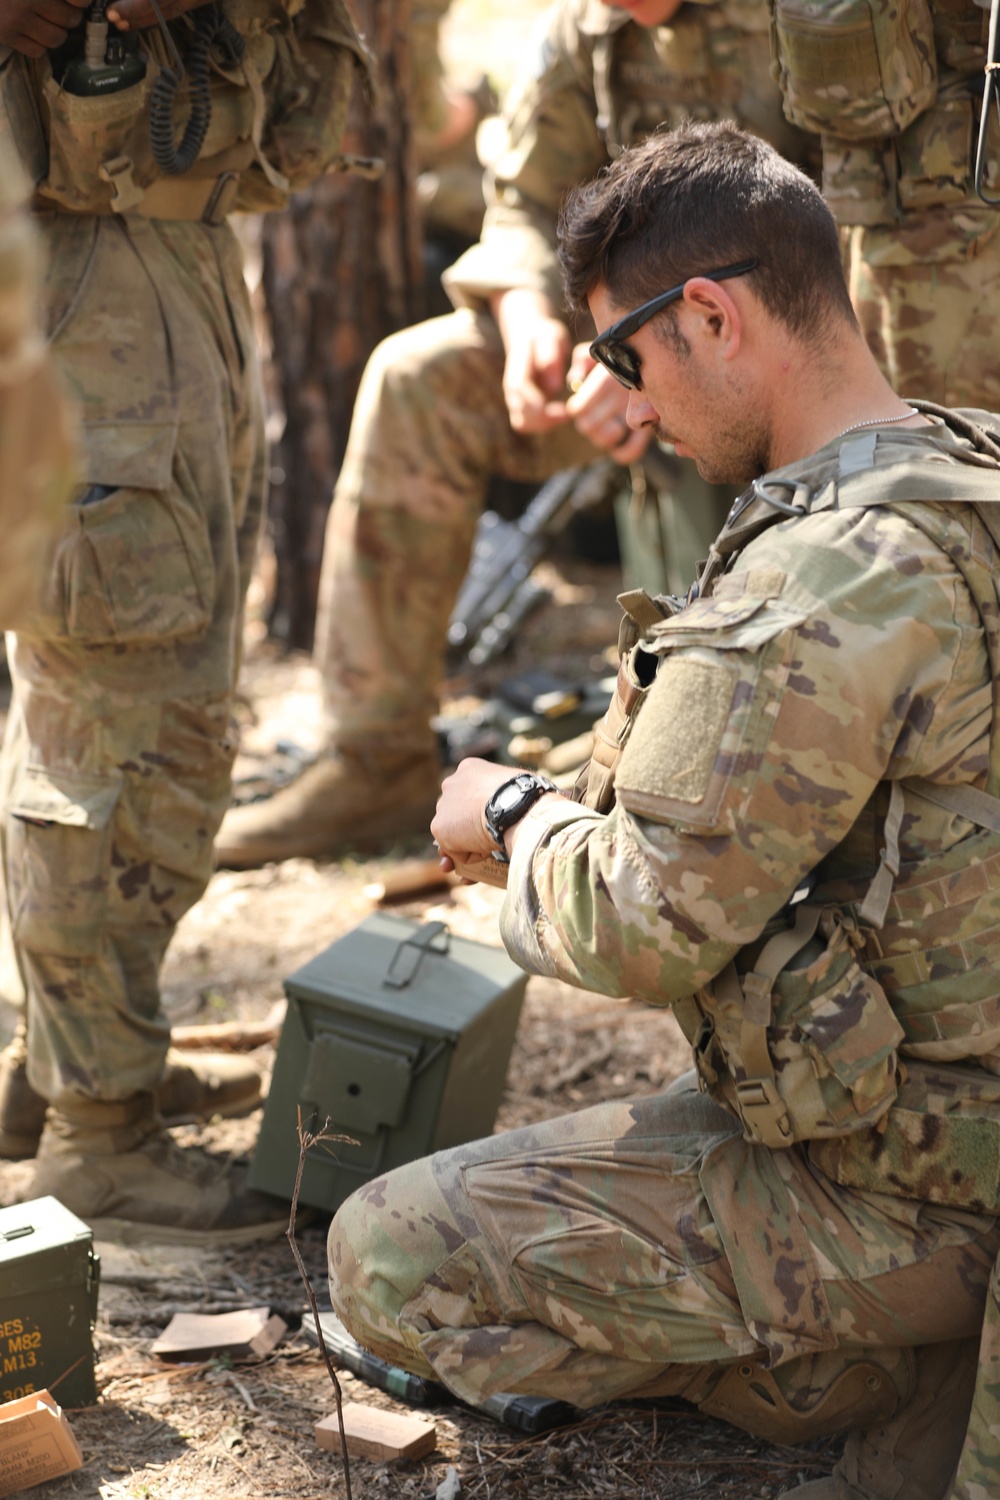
(841, 1391)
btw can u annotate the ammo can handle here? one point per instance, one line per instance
(406, 959)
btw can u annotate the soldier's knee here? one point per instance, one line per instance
(387, 1238)
(346, 1244)
(374, 1266)
(442, 355)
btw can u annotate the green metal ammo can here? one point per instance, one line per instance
(48, 1303)
(400, 1036)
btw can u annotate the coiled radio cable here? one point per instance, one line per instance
(211, 27)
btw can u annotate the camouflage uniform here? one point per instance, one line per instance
(117, 762)
(430, 423)
(35, 444)
(922, 251)
(769, 1224)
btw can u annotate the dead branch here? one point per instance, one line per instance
(308, 1138)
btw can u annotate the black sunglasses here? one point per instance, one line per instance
(609, 348)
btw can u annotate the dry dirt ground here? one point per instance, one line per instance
(220, 1429)
(244, 1430)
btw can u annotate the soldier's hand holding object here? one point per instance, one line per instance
(32, 26)
(459, 827)
(537, 345)
(599, 406)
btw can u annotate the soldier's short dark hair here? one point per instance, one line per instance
(697, 198)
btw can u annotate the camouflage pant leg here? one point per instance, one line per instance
(118, 774)
(429, 428)
(933, 325)
(978, 1475)
(583, 1259)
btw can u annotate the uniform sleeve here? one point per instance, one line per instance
(551, 143)
(848, 650)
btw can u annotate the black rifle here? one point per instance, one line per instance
(498, 591)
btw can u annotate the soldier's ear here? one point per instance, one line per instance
(717, 312)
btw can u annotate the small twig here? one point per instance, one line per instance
(307, 1139)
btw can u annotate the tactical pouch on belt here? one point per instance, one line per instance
(308, 94)
(855, 69)
(87, 136)
(277, 117)
(940, 1142)
(801, 1052)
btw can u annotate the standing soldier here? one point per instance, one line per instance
(894, 93)
(141, 138)
(483, 391)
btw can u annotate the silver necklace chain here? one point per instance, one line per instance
(911, 411)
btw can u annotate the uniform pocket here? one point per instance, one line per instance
(85, 133)
(833, 1042)
(134, 562)
(59, 855)
(856, 70)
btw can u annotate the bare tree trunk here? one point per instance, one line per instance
(341, 270)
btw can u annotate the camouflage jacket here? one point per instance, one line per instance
(596, 82)
(766, 757)
(894, 93)
(279, 97)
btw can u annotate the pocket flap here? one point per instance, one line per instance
(129, 455)
(72, 798)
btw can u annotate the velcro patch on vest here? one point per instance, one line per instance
(683, 722)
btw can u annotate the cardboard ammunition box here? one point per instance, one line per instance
(400, 1036)
(48, 1303)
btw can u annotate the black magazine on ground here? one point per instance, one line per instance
(524, 1413)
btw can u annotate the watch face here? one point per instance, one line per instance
(509, 797)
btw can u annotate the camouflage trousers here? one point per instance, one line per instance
(116, 769)
(641, 1248)
(429, 429)
(928, 301)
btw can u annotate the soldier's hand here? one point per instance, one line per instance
(32, 26)
(598, 407)
(458, 825)
(537, 342)
(134, 15)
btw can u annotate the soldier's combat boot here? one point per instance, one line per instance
(342, 800)
(195, 1086)
(914, 1455)
(115, 1167)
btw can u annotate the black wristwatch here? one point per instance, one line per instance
(509, 804)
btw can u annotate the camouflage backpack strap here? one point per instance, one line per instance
(982, 428)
